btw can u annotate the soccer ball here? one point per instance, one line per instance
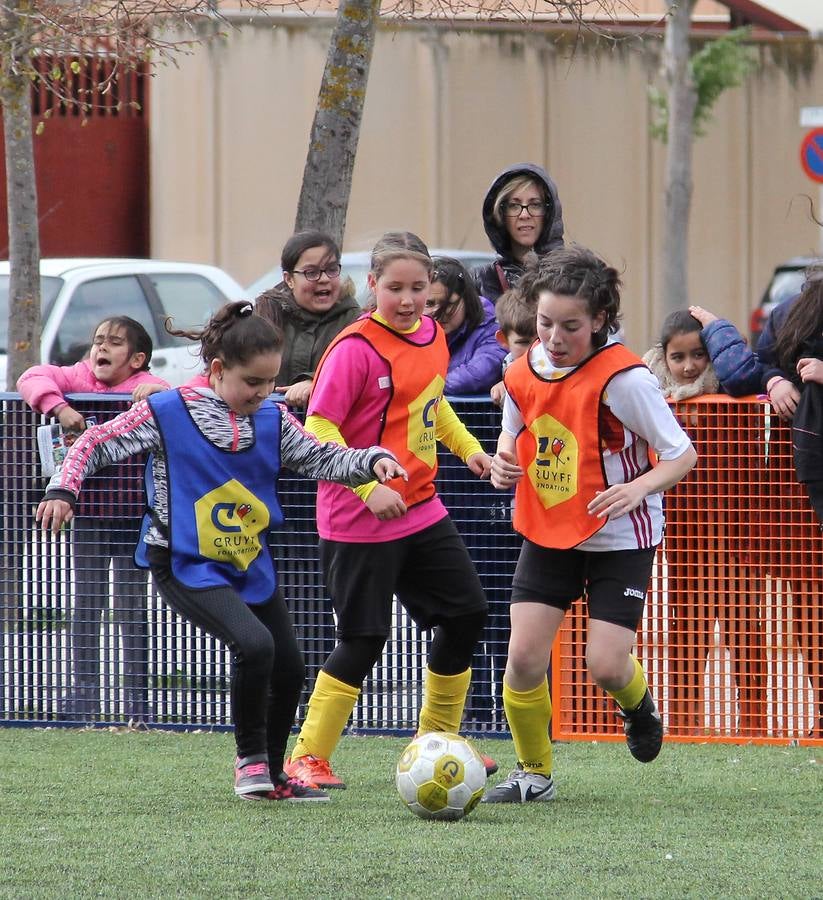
(440, 776)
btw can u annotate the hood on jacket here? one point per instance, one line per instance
(552, 234)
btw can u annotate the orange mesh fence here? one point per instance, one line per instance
(731, 640)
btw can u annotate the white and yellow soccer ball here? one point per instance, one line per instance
(440, 776)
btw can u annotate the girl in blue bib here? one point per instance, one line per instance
(217, 446)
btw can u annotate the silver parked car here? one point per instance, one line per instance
(77, 294)
(356, 266)
(786, 281)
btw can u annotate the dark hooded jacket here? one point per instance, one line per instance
(494, 278)
(307, 334)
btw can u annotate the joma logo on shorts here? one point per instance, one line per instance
(634, 592)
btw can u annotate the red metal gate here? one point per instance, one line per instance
(92, 171)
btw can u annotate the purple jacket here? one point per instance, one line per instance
(476, 359)
(44, 387)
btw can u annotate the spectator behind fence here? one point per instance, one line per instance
(384, 374)
(218, 445)
(788, 365)
(312, 304)
(588, 504)
(694, 532)
(521, 214)
(776, 369)
(475, 356)
(516, 332)
(118, 363)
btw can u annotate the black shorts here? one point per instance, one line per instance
(614, 582)
(431, 573)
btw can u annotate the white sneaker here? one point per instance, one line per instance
(522, 787)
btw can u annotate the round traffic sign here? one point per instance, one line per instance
(811, 154)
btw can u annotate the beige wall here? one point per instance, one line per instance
(445, 111)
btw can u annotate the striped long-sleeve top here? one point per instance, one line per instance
(135, 431)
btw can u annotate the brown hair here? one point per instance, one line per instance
(137, 338)
(234, 335)
(399, 245)
(803, 322)
(579, 272)
(516, 313)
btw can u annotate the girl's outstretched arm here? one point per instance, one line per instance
(327, 458)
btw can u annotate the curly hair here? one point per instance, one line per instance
(576, 271)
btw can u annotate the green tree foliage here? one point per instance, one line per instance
(720, 64)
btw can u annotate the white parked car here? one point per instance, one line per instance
(356, 266)
(77, 294)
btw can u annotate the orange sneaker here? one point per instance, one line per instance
(313, 771)
(490, 764)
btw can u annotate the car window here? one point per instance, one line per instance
(90, 303)
(188, 298)
(49, 288)
(358, 272)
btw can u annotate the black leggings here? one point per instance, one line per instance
(450, 652)
(267, 667)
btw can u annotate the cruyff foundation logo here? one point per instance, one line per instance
(553, 473)
(230, 519)
(422, 422)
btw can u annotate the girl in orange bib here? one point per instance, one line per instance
(581, 417)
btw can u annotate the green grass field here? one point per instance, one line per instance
(127, 814)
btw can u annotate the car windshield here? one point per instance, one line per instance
(49, 288)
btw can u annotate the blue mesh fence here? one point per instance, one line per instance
(85, 637)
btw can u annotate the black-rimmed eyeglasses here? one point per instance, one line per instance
(312, 274)
(512, 209)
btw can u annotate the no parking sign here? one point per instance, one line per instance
(811, 155)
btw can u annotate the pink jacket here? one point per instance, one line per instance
(44, 387)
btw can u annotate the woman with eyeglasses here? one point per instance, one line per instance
(312, 304)
(475, 356)
(521, 215)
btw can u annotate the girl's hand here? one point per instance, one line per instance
(505, 472)
(386, 503)
(617, 500)
(480, 464)
(702, 315)
(71, 420)
(783, 396)
(810, 369)
(385, 469)
(145, 390)
(296, 394)
(498, 394)
(54, 514)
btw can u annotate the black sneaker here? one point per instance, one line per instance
(644, 729)
(522, 787)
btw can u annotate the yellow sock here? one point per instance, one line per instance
(330, 706)
(528, 714)
(631, 696)
(444, 697)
